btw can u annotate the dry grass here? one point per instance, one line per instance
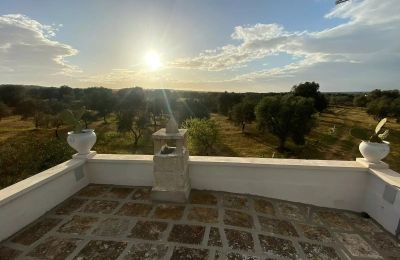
(12, 126)
(321, 143)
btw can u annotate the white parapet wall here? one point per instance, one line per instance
(27, 200)
(349, 185)
(382, 199)
(334, 184)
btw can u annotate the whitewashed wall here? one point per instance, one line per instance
(27, 200)
(120, 169)
(385, 211)
(336, 184)
(333, 184)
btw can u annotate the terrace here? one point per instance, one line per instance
(239, 208)
(172, 206)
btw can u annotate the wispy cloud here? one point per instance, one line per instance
(362, 52)
(369, 33)
(26, 48)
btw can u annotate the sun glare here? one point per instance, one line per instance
(153, 60)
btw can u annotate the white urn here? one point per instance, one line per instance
(83, 141)
(374, 152)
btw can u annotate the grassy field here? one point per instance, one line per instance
(322, 143)
(31, 145)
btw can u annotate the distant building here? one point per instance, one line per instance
(341, 1)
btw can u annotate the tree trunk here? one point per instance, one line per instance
(282, 141)
(243, 126)
(136, 137)
(104, 119)
(135, 142)
(57, 136)
(155, 123)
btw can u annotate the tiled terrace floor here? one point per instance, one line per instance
(115, 222)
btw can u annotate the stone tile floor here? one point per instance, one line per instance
(117, 222)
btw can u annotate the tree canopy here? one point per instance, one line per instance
(286, 117)
(243, 113)
(311, 90)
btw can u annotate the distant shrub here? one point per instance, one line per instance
(311, 90)
(203, 134)
(4, 110)
(360, 101)
(243, 113)
(31, 156)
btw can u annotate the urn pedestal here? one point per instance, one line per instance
(170, 168)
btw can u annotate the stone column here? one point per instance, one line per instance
(170, 169)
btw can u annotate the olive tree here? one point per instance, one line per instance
(286, 117)
(203, 134)
(311, 90)
(243, 113)
(4, 110)
(133, 123)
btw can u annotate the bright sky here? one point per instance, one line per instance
(235, 45)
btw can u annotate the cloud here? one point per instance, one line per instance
(127, 77)
(362, 50)
(27, 50)
(257, 42)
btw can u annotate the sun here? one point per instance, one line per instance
(153, 60)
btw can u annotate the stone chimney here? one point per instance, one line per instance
(170, 168)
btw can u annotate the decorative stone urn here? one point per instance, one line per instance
(83, 141)
(170, 169)
(374, 152)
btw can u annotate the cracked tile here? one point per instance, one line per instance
(313, 251)
(55, 248)
(237, 218)
(134, 209)
(146, 251)
(385, 242)
(316, 233)
(239, 240)
(203, 197)
(188, 234)
(207, 215)
(235, 201)
(184, 253)
(334, 219)
(361, 223)
(36, 231)
(117, 193)
(93, 191)
(148, 230)
(100, 207)
(214, 238)
(278, 247)
(111, 227)
(292, 211)
(141, 193)
(78, 225)
(357, 246)
(233, 256)
(9, 253)
(70, 206)
(264, 206)
(166, 211)
(99, 249)
(277, 226)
